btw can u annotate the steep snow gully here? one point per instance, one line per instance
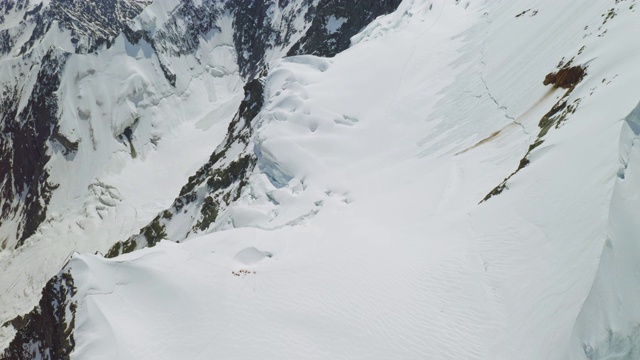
(319, 179)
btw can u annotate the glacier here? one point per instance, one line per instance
(416, 192)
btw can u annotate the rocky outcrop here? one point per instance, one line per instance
(47, 331)
(24, 181)
(335, 22)
(263, 32)
(214, 186)
(91, 23)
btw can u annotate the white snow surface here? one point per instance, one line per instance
(107, 191)
(113, 186)
(361, 233)
(334, 24)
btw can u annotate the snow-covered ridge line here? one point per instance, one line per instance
(351, 224)
(396, 258)
(136, 94)
(47, 332)
(212, 188)
(201, 215)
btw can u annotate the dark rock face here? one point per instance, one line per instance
(334, 23)
(262, 26)
(47, 331)
(7, 6)
(23, 147)
(256, 32)
(27, 133)
(6, 42)
(92, 23)
(188, 24)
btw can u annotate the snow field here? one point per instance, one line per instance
(362, 233)
(115, 190)
(371, 169)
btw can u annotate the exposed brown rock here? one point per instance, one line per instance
(565, 78)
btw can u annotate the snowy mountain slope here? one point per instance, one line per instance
(364, 228)
(219, 182)
(29, 77)
(608, 323)
(106, 114)
(107, 163)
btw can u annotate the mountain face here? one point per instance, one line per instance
(319, 178)
(28, 125)
(260, 31)
(83, 86)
